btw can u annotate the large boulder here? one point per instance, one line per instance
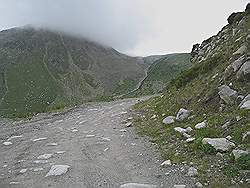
(182, 114)
(244, 71)
(169, 120)
(220, 144)
(227, 94)
(234, 66)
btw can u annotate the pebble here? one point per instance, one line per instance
(45, 156)
(39, 139)
(7, 143)
(23, 170)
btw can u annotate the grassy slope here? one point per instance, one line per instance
(197, 89)
(162, 71)
(42, 70)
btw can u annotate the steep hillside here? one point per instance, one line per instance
(202, 119)
(42, 70)
(162, 71)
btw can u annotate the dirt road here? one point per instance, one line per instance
(91, 143)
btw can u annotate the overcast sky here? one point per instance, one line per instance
(135, 27)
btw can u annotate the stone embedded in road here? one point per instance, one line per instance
(14, 137)
(180, 186)
(190, 140)
(22, 171)
(137, 185)
(39, 139)
(166, 163)
(90, 136)
(45, 156)
(60, 152)
(57, 170)
(7, 143)
(37, 169)
(129, 124)
(192, 172)
(40, 161)
(52, 144)
(74, 130)
(123, 130)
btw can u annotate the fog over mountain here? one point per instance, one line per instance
(136, 27)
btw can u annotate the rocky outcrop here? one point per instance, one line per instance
(239, 153)
(245, 104)
(244, 71)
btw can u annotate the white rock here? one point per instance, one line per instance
(90, 136)
(154, 116)
(40, 161)
(192, 172)
(74, 130)
(37, 169)
(182, 114)
(129, 124)
(14, 137)
(186, 135)
(180, 130)
(123, 130)
(14, 183)
(245, 105)
(220, 144)
(189, 129)
(245, 135)
(39, 139)
(137, 185)
(180, 186)
(166, 163)
(238, 153)
(201, 125)
(169, 120)
(7, 143)
(45, 156)
(52, 144)
(57, 170)
(190, 140)
(229, 137)
(60, 152)
(22, 171)
(198, 185)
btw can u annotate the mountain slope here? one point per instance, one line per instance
(42, 70)
(202, 119)
(162, 71)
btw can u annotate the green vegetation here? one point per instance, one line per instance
(196, 89)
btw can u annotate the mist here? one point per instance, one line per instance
(135, 27)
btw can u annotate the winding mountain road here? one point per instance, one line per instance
(92, 146)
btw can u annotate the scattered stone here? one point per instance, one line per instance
(169, 120)
(189, 140)
(166, 163)
(154, 116)
(129, 124)
(179, 186)
(106, 139)
(52, 144)
(186, 135)
(182, 114)
(238, 153)
(4, 166)
(201, 125)
(192, 172)
(14, 137)
(123, 130)
(39, 139)
(220, 144)
(60, 152)
(7, 143)
(23, 170)
(90, 136)
(40, 161)
(238, 118)
(74, 130)
(137, 185)
(45, 156)
(225, 125)
(57, 170)
(14, 183)
(227, 94)
(219, 154)
(229, 137)
(245, 135)
(106, 149)
(180, 130)
(37, 169)
(198, 185)
(189, 129)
